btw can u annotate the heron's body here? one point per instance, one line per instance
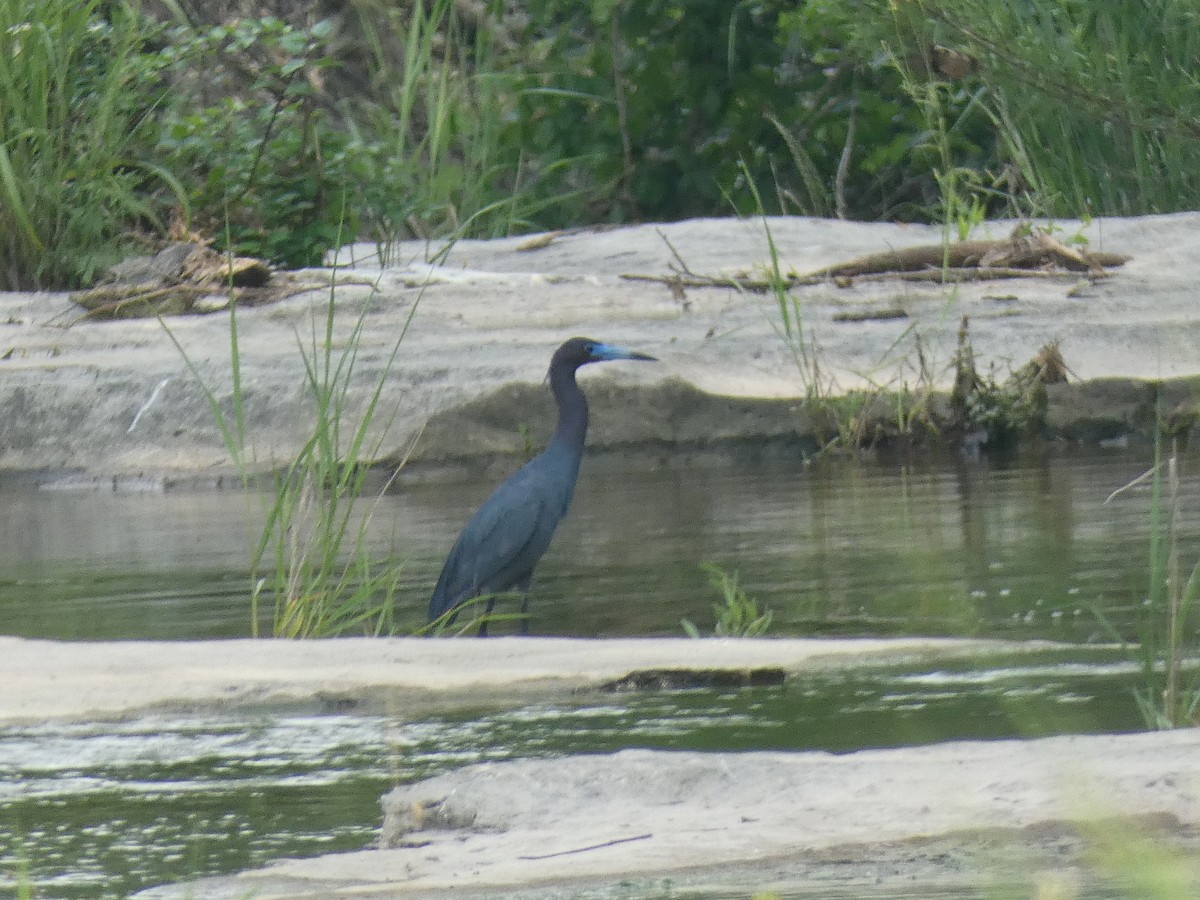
(508, 534)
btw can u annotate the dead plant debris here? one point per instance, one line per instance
(1026, 253)
(996, 410)
(870, 315)
(187, 278)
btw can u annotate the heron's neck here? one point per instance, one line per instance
(572, 410)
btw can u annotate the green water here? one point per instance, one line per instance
(1017, 551)
(978, 549)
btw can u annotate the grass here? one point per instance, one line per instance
(448, 624)
(1169, 693)
(791, 320)
(445, 169)
(112, 123)
(25, 885)
(72, 103)
(963, 199)
(1089, 122)
(737, 615)
(1106, 127)
(847, 419)
(1140, 861)
(311, 561)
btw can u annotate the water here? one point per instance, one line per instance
(956, 549)
(102, 809)
(1017, 551)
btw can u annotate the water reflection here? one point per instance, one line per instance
(879, 548)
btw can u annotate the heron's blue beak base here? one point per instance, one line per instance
(607, 352)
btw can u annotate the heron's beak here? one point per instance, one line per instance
(608, 352)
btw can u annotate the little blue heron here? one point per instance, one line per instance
(508, 534)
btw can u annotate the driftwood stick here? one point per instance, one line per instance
(1017, 251)
(624, 840)
(683, 266)
(948, 276)
(1024, 254)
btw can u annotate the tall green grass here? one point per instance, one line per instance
(1168, 695)
(1106, 126)
(445, 168)
(738, 614)
(313, 553)
(312, 561)
(74, 95)
(800, 344)
(1096, 105)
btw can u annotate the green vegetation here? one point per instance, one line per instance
(1167, 648)
(790, 327)
(277, 154)
(442, 119)
(257, 151)
(737, 615)
(74, 185)
(1084, 121)
(1140, 860)
(25, 888)
(319, 570)
(467, 617)
(312, 559)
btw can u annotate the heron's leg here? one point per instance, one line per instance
(487, 612)
(523, 622)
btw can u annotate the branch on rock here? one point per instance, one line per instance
(1030, 253)
(1024, 254)
(756, 285)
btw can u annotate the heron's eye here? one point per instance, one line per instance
(590, 349)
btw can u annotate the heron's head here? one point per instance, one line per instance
(580, 351)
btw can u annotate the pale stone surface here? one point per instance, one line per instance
(571, 825)
(58, 679)
(115, 398)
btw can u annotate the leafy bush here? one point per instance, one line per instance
(263, 162)
(283, 146)
(686, 103)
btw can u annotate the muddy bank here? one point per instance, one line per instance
(115, 398)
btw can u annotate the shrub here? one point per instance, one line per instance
(262, 160)
(686, 103)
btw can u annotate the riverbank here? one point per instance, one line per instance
(97, 400)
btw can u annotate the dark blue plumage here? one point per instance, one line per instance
(508, 534)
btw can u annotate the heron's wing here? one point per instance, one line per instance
(502, 542)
